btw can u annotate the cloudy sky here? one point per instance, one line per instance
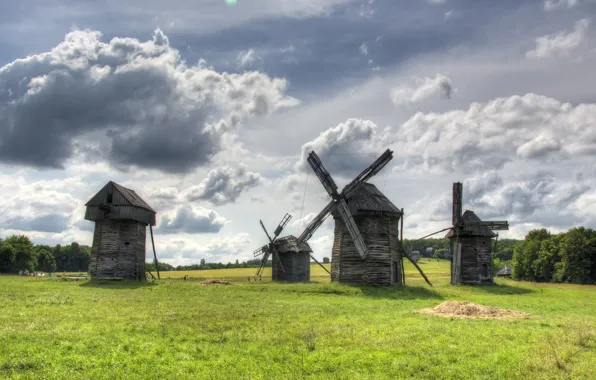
(208, 111)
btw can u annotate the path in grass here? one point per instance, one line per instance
(178, 329)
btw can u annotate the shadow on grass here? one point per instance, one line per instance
(112, 284)
(503, 289)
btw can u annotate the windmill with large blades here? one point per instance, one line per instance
(366, 247)
(291, 261)
(269, 249)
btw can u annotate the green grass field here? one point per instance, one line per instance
(53, 328)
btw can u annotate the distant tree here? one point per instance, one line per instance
(439, 253)
(326, 260)
(45, 261)
(202, 262)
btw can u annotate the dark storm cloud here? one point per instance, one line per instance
(151, 109)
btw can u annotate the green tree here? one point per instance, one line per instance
(24, 253)
(7, 257)
(46, 261)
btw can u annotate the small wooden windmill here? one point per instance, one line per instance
(363, 217)
(471, 243)
(290, 260)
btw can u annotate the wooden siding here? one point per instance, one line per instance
(476, 261)
(382, 266)
(296, 267)
(121, 212)
(118, 250)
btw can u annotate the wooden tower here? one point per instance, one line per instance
(471, 244)
(291, 259)
(367, 246)
(121, 218)
(292, 263)
(377, 220)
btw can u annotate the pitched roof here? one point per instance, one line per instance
(369, 198)
(290, 244)
(132, 197)
(129, 196)
(469, 216)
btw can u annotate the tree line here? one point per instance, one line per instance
(564, 257)
(18, 253)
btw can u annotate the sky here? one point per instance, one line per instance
(208, 111)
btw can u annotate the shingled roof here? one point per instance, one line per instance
(290, 244)
(128, 195)
(469, 216)
(369, 199)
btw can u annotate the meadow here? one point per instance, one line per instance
(55, 328)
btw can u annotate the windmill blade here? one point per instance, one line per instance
(346, 216)
(368, 173)
(491, 225)
(278, 258)
(260, 251)
(316, 222)
(263, 262)
(266, 233)
(456, 210)
(322, 174)
(281, 225)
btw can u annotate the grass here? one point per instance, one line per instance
(53, 328)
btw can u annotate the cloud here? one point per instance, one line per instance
(551, 5)
(43, 206)
(188, 219)
(247, 58)
(363, 49)
(538, 198)
(55, 223)
(422, 89)
(562, 43)
(224, 185)
(345, 149)
(488, 135)
(133, 103)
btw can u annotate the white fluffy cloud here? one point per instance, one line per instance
(561, 44)
(189, 219)
(488, 135)
(224, 185)
(551, 5)
(422, 89)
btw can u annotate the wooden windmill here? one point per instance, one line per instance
(471, 243)
(290, 260)
(366, 248)
(121, 218)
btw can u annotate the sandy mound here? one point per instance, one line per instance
(465, 309)
(215, 282)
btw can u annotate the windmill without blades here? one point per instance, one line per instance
(470, 243)
(291, 261)
(376, 218)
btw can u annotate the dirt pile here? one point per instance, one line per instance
(215, 282)
(459, 309)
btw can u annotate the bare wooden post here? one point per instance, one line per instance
(322, 266)
(154, 254)
(401, 237)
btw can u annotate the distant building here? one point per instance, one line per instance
(504, 272)
(415, 256)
